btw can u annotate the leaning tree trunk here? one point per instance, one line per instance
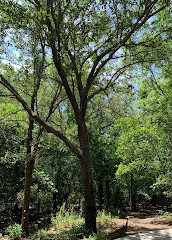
(89, 196)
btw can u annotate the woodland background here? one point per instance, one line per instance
(85, 107)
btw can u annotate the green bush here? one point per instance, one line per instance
(13, 231)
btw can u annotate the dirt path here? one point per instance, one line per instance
(165, 234)
(136, 225)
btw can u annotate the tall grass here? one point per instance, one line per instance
(103, 217)
(68, 225)
(66, 219)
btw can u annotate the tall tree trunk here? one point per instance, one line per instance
(39, 202)
(162, 200)
(28, 180)
(26, 200)
(101, 195)
(89, 196)
(90, 212)
(132, 194)
(107, 194)
(55, 195)
(31, 155)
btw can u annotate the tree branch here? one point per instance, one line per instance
(94, 72)
(67, 5)
(155, 81)
(6, 95)
(78, 76)
(48, 128)
(119, 72)
(58, 65)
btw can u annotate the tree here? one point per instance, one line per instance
(135, 147)
(84, 52)
(11, 164)
(154, 100)
(144, 143)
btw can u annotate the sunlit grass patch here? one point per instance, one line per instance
(43, 234)
(75, 232)
(105, 224)
(97, 237)
(66, 219)
(67, 225)
(104, 218)
(167, 215)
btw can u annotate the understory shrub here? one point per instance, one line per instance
(13, 231)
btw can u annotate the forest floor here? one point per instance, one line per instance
(138, 222)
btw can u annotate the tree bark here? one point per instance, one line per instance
(39, 202)
(55, 195)
(31, 155)
(101, 195)
(86, 165)
(107, 194)
(162, 199)
(26, 200)
(28, 180)
(132, 194)
(90, 208)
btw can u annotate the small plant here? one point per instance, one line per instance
(97, 237)
(165, 214)
(42, 234)
(74, 232)
(13, 231)
(103, 217)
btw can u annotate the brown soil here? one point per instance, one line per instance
(138, 222)
(136, 226)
